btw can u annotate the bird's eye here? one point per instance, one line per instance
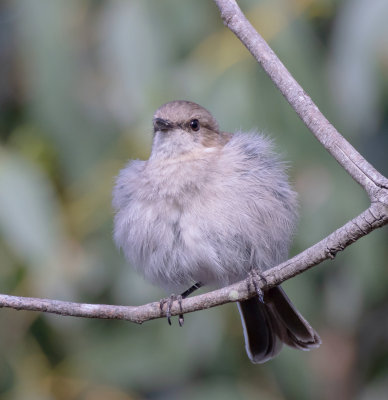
(194, 125)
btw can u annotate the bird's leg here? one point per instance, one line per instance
(185, 294)
(191, 290)
(254, 279)
(170, 300)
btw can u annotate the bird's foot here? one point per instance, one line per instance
(169, 301)
(254, 279)
(173, 297)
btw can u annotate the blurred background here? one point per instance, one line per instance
(79, 82)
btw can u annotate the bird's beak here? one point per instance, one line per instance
(161, 125)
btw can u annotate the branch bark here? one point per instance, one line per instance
(360, 170)
(375, 184)
(374, 217)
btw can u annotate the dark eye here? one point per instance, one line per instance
(194, 125)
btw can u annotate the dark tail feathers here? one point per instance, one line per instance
(270, 324)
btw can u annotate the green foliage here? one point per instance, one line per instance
(79, 82)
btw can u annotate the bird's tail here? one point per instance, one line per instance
(270, 324)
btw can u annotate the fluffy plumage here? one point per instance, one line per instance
(208, 207)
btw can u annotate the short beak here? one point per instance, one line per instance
(161, 125)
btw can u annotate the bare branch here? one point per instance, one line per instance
(373, 218)
(360, 170)
(371, 180)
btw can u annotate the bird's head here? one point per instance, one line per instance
(182, 127)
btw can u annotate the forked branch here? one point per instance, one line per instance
(375, 184)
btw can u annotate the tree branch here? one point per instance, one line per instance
(373, 218)
(375, 184)
(360, 170)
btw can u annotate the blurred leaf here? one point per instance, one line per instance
(28, 210)
(358, 38)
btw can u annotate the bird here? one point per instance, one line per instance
(212, 208)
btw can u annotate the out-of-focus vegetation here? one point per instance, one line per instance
(79, 82)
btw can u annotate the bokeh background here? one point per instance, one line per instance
(79, 82)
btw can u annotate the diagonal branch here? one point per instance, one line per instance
(371, 219)
(369, 178)
(360, 170)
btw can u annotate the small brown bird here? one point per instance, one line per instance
(207, 208)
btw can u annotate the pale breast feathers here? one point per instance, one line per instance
(182, 224)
